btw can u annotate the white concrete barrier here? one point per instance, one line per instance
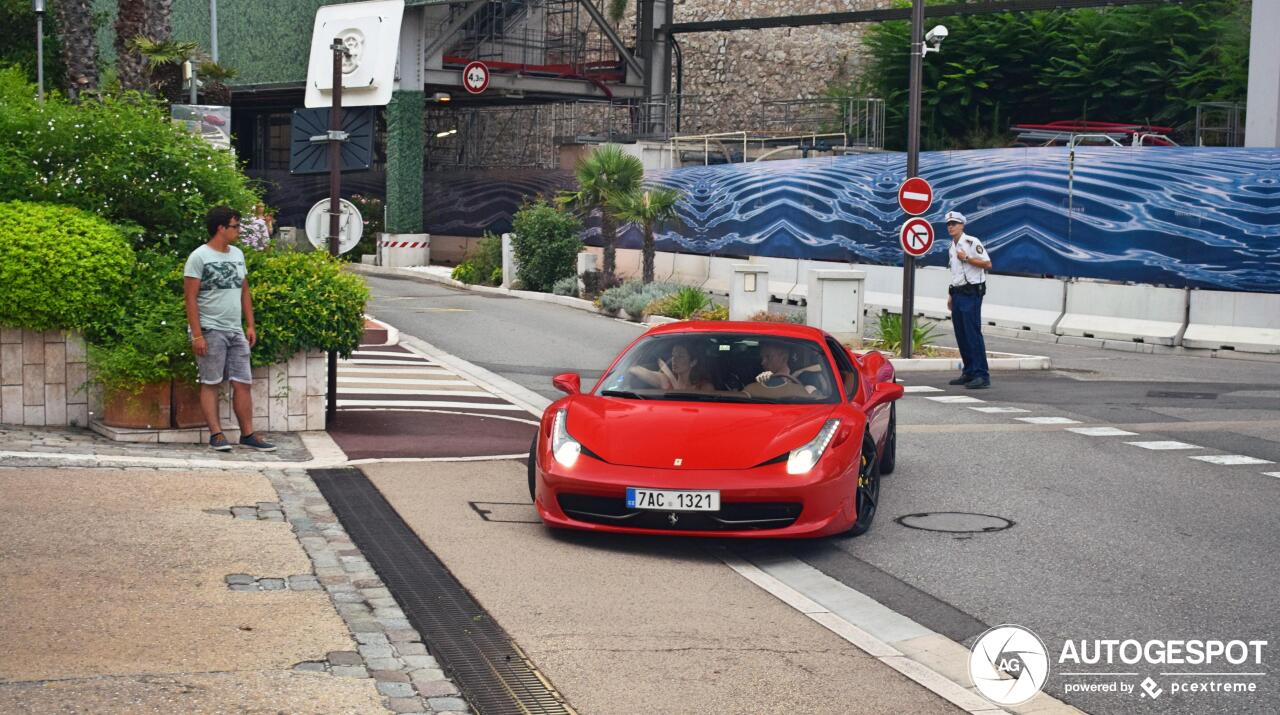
(587, 262)
(664, 265)
(400, 250)
(1031, 304)
(783, 275)
(749, 291)
(691, 269)
(931, 292)
(1245, 322)
(627, 263)
(1137, 313)
(835, 303)
(509, 265)
(720, 274)
(883, 287)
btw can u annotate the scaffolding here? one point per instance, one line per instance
(1220, 124)
(861, 119)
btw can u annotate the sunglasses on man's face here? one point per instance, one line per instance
(235, 226)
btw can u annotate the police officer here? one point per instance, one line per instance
(969, 266)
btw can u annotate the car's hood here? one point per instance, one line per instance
(656, 433)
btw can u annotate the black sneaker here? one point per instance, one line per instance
(962, 380)
(255, 442)
(218, 442)
(978, 383)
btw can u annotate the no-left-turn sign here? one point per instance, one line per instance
(916, 236)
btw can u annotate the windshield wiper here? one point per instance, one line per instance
(623, 393)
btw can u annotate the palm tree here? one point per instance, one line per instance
(617, 9)
(79, 41)
(648, 208)
(608, 170)
(131, 22)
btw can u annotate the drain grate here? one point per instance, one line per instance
(493, 674)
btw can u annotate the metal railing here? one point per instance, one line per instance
(1220, 124)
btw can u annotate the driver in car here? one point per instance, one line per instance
(775, 358)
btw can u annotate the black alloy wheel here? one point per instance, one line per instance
(889, 459)
(868, 495)
(533, 468)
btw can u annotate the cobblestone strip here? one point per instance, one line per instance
(389, 649)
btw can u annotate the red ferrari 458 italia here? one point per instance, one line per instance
(724, 428)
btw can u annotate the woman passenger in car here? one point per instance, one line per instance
(683, 374)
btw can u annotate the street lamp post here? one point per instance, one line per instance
(37, 6)
(913, 166)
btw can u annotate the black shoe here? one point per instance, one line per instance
(218, 442)
(253, 441)
(978, 383)
(962, 380)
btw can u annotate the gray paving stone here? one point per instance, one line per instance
(376, 651)
(353, 610)
(438, 688)
(382, 602)
(411, 649)
(364, 625)
(384, 663)
(391, 676)
(272, 584)
(344, 657)
(420, 661)
(405, 706)
(372, 639)
(402, 635)
(350, 671)
(268, 506)
(427, 676)
(345, 597)
(244, 587)
(438, 704)
(372, 593)
(395, 623)
(239, 578)
(395, 690)
(310, 667)
(244, 512)
(393, 612)
(304, 583)
(367, 583)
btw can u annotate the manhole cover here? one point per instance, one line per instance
(955, 522)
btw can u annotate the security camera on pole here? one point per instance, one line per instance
(918, 51)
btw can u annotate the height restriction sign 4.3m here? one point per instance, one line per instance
(916, 236)
(916, 196)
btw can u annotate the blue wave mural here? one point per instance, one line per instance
(1196, 217)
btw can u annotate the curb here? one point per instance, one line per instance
(324, 453)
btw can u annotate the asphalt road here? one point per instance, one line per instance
(1108, 540)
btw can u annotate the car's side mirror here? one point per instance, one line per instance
(884, 392)
(568, 382)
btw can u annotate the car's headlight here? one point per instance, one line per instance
(563, 446)
(802, 459)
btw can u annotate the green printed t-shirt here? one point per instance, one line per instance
(221, 279)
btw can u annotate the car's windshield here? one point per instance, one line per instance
(722, 367)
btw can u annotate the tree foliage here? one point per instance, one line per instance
(606, 171)
(1151, 64)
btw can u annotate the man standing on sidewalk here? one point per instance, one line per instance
(969, 266)
(217, 295)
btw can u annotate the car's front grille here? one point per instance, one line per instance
(733, 516)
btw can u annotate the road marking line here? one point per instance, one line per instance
(1048, 420)
(397, 363)
(1271, 474)
(1231, 459)
(446, 412)
(998, 410)
(428, 403)
(394, 460)
(1162, 445)
(1101, 431)
(955, 399)
(920, 388)
(413, 391)
(399, 381)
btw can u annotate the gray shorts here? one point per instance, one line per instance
(226, 359)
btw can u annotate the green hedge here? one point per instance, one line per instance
(546, 245)
(304, 301)
(119, 157)
(60, 267)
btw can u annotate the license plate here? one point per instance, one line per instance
(668, 500)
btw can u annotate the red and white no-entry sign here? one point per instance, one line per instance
(916, 236)
(475, 77)
(916, 196)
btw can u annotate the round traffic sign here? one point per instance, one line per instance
(350, 225)
(916, 196)
(916, 236)
(475, 77)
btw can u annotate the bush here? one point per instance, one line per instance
(60, 267)
(371, 211)
(566, 286)
(715, 312)
(889, 332)
(681, 304)
(304, 301)
(765, 316)
(593, 284)
(465, 272)
(546, 244)
(120, 158)
(634, 297)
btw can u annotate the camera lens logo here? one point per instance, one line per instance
(1009, 664)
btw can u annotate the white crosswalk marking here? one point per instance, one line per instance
(954, 399)
(1164, 445)
(399, 380)
(920, 388)
(1048, 420)
(1101, 431)
(998, 410)
(1230, 459)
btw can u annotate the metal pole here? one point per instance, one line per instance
(913, 166)
(194, 71)
(335, 198)
(213, 30)
(40, 56)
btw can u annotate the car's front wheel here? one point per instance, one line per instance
(533, 468)
(867, 496)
